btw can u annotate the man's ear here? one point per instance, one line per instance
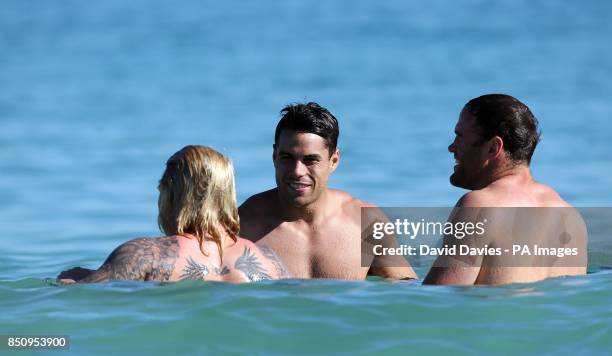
(335, 159)
(496, 147)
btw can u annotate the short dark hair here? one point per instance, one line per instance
(505, 116)
(309, 118)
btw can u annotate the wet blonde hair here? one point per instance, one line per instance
(197, 196)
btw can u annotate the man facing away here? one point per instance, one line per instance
(496, 136)
(315, 230)
(198, 214)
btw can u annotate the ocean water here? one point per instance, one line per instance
(96, 96)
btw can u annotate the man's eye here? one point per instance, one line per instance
(310, 161)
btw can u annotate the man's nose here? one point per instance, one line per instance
(451, 147)
(299, 169)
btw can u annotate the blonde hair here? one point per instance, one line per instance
(197, 196)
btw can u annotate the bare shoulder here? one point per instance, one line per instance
(143, 258)
(517, 192)
(353, 207)
(257, 203)
(348, 203)
(550, 197)
(154, 245)
(256, 215)
(478, 199)
(241, 245)
(142, 248)
(256, 262)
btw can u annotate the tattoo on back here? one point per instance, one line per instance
(281, 269)
(248, 264)
(154, 259)
(145, 259)
(194, 270)
(199, 271)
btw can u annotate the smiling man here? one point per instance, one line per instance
(314, 229)
(495, 138)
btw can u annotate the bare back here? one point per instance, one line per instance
(544, 232)
(242, 262)
(540, 226)
(176, 258)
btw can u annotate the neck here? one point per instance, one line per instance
(518, 171)
(206, 237)
(312, 212)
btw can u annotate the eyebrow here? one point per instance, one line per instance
(284, 153)
(310, 156)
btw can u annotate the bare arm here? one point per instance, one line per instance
(452, 274)
(393, 267)
(74, 274)
(140, 259)
(460, 270)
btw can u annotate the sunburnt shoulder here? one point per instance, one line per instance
(242, 261)
(273, 266)
(512, 195)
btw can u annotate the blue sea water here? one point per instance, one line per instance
(97, 95)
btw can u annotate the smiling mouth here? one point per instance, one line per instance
(299, 187)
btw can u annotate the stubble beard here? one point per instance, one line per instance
(459, 179)
(299, 202)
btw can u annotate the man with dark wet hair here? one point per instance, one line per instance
(502, 119)
(495, 138)
(315, 230)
